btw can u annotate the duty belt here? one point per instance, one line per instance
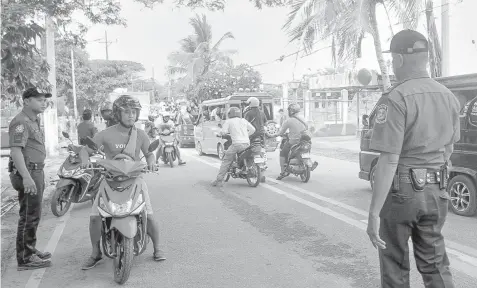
(35, 166)
(431, 178)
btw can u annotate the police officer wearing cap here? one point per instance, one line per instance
(415, 126)
(27, 160)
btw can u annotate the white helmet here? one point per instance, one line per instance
(253, 102)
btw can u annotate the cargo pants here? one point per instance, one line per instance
(30, 213)
(421, 216)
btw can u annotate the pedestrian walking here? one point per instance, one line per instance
(27, 160)
(415, 126)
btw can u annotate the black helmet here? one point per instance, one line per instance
(124, 102)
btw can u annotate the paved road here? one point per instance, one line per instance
(280, 234)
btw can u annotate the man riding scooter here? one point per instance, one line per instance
(295, 126)
(123, 138)
(257, 118)
(240, 131)
(167, 124)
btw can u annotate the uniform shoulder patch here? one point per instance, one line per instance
(19, 128)
(381, 113)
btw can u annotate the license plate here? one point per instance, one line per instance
(305, 155)
(258, 160)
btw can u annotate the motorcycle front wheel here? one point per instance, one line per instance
(254, 174)
(60, 203)
(170, 159)
(122, 264)
(305, 176)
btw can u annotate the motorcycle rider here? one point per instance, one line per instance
(86, 127)
(240, 131)
(167, 124)
(150, 128)
(257, 118)
(106, 112)
(126, 111)
(295, 126)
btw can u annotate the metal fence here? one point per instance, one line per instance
(324, 113)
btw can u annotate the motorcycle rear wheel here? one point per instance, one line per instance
(62, 192)
(305, 176)
(122, 264)
(258, 172)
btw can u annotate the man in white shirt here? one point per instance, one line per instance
(240, 131)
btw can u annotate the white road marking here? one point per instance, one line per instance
(361, 224)
(450, 245)
(37, 275)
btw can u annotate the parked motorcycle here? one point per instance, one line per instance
(299, 159)
(76, 184)
(247, 164)
(169, 154)
(122, 209)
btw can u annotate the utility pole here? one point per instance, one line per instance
(153, 87)
(74, 84)
(106, 43)
(445, 31)
(51, 114)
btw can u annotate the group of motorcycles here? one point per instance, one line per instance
(121, 202)
(250, 163)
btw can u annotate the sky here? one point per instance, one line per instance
(151, 35)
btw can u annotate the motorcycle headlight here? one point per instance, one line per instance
(66, 173)
(120, 209)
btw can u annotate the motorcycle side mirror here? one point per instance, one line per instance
(153, 146)
(90, 143)
(65, 134)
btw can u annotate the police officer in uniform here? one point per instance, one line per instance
(27, 160)
(415, 126)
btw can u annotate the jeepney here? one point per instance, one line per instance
(463, 173)
(214, 112)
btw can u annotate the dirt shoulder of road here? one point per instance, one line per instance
(9, 195)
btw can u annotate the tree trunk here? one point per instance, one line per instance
(377, 46)
(435, 53)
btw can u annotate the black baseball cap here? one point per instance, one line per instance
(403, 42)
(33, 92)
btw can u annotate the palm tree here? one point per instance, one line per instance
(198, 54)
(346, 22)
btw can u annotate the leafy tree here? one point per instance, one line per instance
(198, 53)
(222, 83)
(346, 22)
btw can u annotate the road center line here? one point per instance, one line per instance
(360, 224)
(37, 275)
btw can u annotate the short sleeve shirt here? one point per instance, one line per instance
(25, 132)
(86, 129)
(416, 119)
(114, 140)
(294, 127)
